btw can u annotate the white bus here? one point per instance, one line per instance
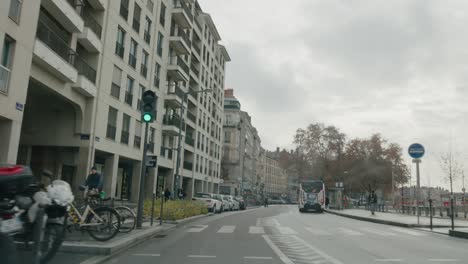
(311, 196)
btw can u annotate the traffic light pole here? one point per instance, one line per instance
(179, 144)
(141, 195)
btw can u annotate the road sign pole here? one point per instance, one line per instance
(141, 195)
(418, 186)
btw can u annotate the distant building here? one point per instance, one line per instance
(274, 180)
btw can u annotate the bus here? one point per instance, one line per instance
(311, 196)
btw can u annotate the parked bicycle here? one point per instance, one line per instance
(126, 214)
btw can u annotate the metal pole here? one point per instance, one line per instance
(152, 208)
(452, 215)
(162, 202)
(418, 186)
(430, 208)
(179, 143)
(141, 195)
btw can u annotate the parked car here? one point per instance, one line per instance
(211, 200)
(235, 203)
(240, 200)
(227, 204)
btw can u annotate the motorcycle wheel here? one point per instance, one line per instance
(8, 250)
(53, 239)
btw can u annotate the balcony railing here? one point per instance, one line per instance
(137, 142)
(188, 165)
(132, 60)
(191, 116)
(91, 23)
(84, 69)
(15, 10)
(178, 61)
(190, 141)
(4, 78)
(111, 131)
(195, 70)
(119, 49)
(54, 42)
(115, 90)
(183, 5)
(144, 70)
(175, 89)
(147, 36)
(124, 137)
(128, 98)
(182, 34)
(173, 120)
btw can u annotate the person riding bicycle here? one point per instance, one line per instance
(93, 181)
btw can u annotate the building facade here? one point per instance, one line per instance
(71, 78)
(241, 150)
(274, 180)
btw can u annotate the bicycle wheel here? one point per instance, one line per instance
(53, 238)
(127, 219)
(108, 224)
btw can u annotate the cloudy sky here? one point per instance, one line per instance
(395, 67)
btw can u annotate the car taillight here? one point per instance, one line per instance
(7, 216)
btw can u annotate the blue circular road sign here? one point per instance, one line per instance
(416, 151)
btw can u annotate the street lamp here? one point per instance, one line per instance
(179, 140)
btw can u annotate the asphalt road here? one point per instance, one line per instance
(282, 235)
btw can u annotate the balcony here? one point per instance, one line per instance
(188, 165)
(171, 124)
(174, 96)
(99, 5)
(189, 141)
(182, 14)
(166, 153)
(54, 54)
(4, 79)
(65, 12)
(195, 70)
(192, 117)
(85, 84)
(90, 41)
(180, 42)
(197, 48)
(178, 69)
(124, 137)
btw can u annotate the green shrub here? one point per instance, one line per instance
(175, 209)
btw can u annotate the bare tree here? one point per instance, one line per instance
(451, 166)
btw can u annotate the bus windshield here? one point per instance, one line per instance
(312, 187)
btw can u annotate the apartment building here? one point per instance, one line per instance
(274, 180)
(71, 80)
(242, 147)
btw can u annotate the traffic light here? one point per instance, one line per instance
(148, 108)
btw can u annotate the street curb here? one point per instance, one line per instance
(458, 234)
(385, 222)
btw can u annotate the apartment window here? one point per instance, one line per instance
(15, 10)
(125, 129)
(120, 43)
(150, 5)
(144, 64)
(198, 140)
(137, 139)
(132, 59)
(162, 15)
(157, 75)
(159, 48)
(129, 91)
(136, 18)
(111, 123)
(6, 63)
(124, 9)
(140, 94)
(227, 137)
(116, 82)
(147, 32)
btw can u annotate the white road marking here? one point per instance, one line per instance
(407, 231)
(259, 222)
(286, 230)
(350, 231)
(253, 257)
(318, 251)
(277, 251)
(197, 229)
(443, 260)
(147, 255)
(388, 260)
(201, 256)
(227, 229)
(317, 231)
(378, 232)
(256, 230)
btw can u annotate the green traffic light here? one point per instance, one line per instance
(147, 117)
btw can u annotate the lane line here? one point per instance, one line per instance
(197, 229)
(200, 256)
(277, 251)
(254, 257)
(388, 260)
(256, 230)
(226, 229)
(443, 260)
(147, 255)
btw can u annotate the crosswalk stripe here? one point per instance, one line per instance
(406, 231)
(286, 230)
(227, 229)
(378, 232)
(350, 231)
(317, 231)
(256, 230)
(196, 229)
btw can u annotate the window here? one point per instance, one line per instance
(227, 137)
(15, 10)
(116, 82)
(140, 94)
(111, 123)
(129, 91)
(136, 18)
(157, 75)
(120, 43)
(162, 15)
(125, 129)
(150, 5)
(132, 59)
(6, 63)
(147, 32)
(137, 139)
(144, 64)
(124, 9)
(159, 48)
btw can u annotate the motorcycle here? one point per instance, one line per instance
(29, 215)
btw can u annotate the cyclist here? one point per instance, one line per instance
(93, 181)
